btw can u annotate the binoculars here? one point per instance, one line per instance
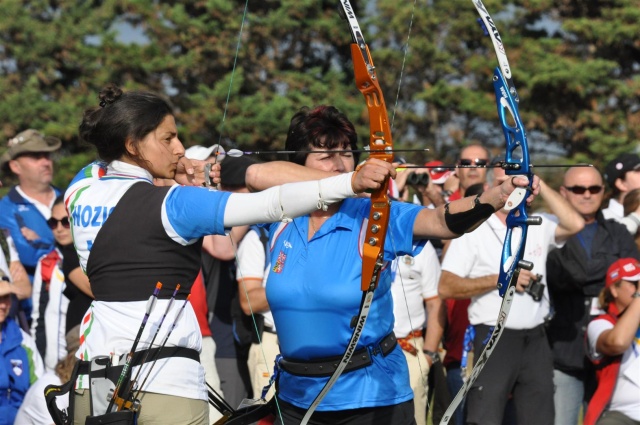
(418, 179)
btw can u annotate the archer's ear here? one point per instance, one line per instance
(131, 147)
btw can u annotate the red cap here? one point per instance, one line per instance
(623, 269)
(438, 175)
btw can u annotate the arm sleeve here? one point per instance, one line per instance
(189, 213)
(283, 203)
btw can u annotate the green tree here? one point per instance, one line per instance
(575, 65)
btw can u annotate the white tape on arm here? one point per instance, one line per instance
(283, 203)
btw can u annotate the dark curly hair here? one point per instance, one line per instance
(122, 116)
(322, 127)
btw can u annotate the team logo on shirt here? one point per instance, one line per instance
(277, 268)
(16, 366)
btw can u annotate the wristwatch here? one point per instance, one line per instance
(434, 356)
(635, 295)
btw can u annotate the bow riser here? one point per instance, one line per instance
(514, 133)
(517, 158)
(381, 141)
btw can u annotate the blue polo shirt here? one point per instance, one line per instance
(314, 291)
(17, 212)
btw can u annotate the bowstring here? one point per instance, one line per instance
(233, 72)
(425, 382)
(233, 244)
(404, 61)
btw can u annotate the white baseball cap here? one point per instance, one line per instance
(199, 152)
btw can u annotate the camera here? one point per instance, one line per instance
(535, 288)
(418, 179)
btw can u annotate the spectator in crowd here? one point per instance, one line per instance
(471, 168)
(431, 195)
(576, 275)
(130, 235)
(622, 174)
(314, 284)
(614, 346)
(77, 289)
(20, 363)
(252, 273)
(27, 206)
(50, 304)
(521, 364)
(414, 288)
(427, 182)
(12, 268)
(33, 410)
(198, 300)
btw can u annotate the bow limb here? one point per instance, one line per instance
(517, 162)
(381, 145)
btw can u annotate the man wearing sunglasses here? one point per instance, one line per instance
(576, 274)
(471, 171)
(471, 168)
(521, 364)
(27, 206)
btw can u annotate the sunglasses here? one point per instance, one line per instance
(580, 190)
(476, 162)
(53, 223)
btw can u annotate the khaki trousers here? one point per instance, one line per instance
(157, 409)
(259, 370)
(418, 375)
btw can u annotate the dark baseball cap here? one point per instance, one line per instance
(620, 165)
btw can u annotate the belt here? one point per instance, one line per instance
(154, 354)
(406, 342)
(325, 367)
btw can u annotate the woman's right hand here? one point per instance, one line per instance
(371, 175)
(190, 172)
